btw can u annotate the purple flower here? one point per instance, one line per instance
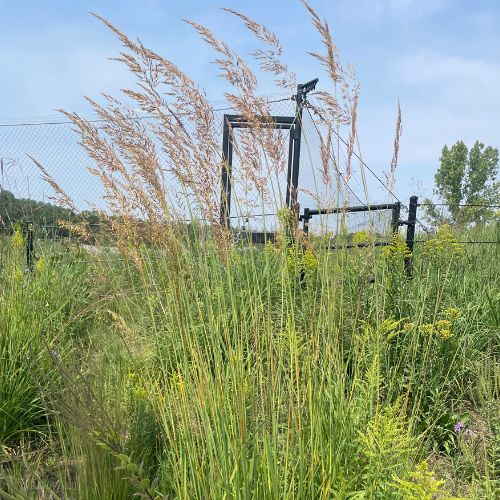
(458, 427)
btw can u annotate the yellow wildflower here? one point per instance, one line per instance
(445, 333)
(17, 275)
(443, 323)
(361, 237)
(452, 313)
(140, 393)
(310, 260)
(389, 325)
(40, 265)
(409, 326)
(422, 484)
(444, 245)
(17, 240)
(443, 328)
(426, 328)
(397, 248)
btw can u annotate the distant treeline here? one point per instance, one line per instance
(46, 218)
(16, 211)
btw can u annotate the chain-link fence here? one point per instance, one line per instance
(322, 178)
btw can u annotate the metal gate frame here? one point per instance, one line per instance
(291, 123)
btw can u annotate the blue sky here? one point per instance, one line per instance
(440, 58)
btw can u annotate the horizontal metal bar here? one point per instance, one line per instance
(360, 208)
(235, 120)
(273, 125)
(360, 245)
(257, 236)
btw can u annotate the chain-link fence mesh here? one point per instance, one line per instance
(323, 180)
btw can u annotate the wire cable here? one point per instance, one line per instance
(145, 117)
(334, 160)
(372, 172)
(481, 205)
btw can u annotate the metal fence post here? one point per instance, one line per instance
(306, 217)
(227, 153)
(410, 233)
(29, 245)
(395, 216)
(294, 148)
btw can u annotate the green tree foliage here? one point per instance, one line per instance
(15, 211)
(466, 178)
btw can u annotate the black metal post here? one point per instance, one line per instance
(396, 215)
(306, 217)
(410, 232)
(29, 245)
(289, 171)
(227, 161)
(297, 136)
(294, 147)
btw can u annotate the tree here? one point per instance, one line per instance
(466, 181)
(45, 216)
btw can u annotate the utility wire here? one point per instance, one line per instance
(463, 242)
(457, 205)
(145, 117)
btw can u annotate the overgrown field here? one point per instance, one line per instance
(274, 372)
(179, 365)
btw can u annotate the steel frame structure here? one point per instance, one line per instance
(291, 123)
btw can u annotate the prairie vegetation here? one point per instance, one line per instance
(186, 366)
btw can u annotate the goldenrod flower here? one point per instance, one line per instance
(444, 245)
(40, 265)
(389, 325)
(426, 328)
(397, 249)
(140, 393)
(445, 333)
(361, 237)
(452, 313)
(17, 240)
(443, 323)
(310, 260)
(17, 275)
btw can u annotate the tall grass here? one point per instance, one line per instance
(235, 377)
(186, 366)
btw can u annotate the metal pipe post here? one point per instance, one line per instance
(306, 217)
(29, 245)
(395, 219)
(410, 233)
(225, 202)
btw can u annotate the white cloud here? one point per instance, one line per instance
(451, 95)
(444, 98)
(450, 74)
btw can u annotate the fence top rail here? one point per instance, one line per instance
(274, 121)
(308, 212)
